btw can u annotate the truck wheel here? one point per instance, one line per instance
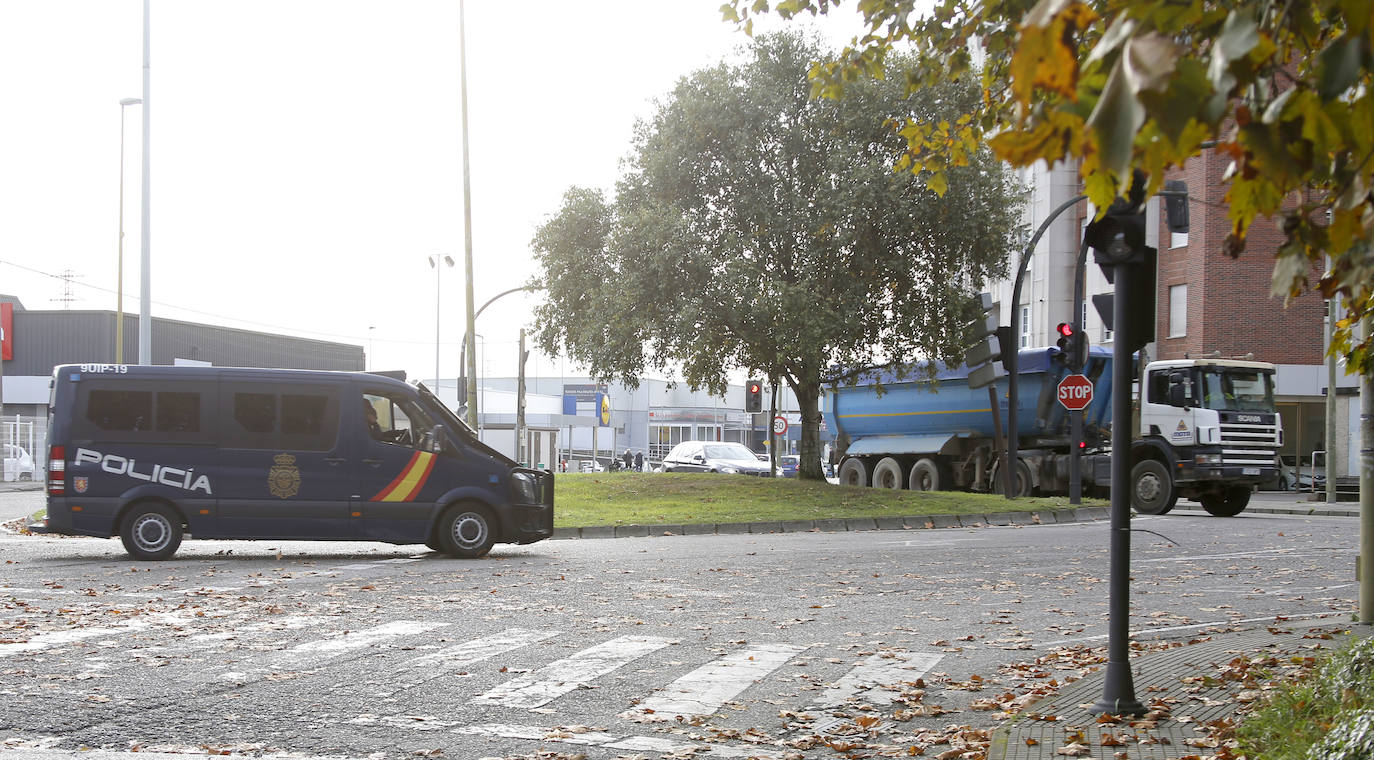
(150, 531)
(853, 472)
(1024, 484)
(1228, 503)
(467, 531)
(1152, 490)
(926, 476)
(888, 474)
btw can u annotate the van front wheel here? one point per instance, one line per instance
(466, 531)
(151, 531)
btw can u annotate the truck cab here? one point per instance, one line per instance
(1213, 422)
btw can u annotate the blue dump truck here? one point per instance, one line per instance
(1204, 429)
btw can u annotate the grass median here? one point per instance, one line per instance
(634, 498)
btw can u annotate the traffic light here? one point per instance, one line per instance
(1073, 346)
(1118, 237)
(753, 397)
(1065, 331)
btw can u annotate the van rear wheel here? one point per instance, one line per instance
(151, 531)
(467, 531)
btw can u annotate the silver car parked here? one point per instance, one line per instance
(714, 456)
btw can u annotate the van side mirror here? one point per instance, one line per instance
(438, 439)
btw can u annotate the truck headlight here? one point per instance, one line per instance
(1207, 459)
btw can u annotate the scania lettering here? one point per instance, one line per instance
(1206, 429)
(155, 454)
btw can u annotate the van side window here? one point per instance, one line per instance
(178, 412)
(120, 410)
(302, 415)
(257, 417)
(398, 421)
(256, 412)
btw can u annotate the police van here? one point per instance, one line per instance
(152, 454)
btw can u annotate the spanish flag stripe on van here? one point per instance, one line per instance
(411, 479)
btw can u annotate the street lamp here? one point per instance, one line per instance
(119, 298)
(434, 260)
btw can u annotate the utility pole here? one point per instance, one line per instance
(1366, 487)
(520, 405)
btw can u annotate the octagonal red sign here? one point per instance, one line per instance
(1075, 392)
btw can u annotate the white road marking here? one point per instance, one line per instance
(430, 666)
(612, 741)
(558, 678)
(365, 638)
(378, 563)
(705, 689)
(883, 669)
(58, 638)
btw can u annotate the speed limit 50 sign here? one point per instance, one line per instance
(1075, 392)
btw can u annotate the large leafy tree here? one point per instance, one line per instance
(1283, 88)
(757, 227)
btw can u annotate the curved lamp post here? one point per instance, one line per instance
(119, 297)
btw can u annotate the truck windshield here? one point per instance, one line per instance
(1237, 390)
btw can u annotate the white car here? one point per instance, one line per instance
(18, 463)
(714, 456)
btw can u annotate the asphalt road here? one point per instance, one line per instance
(611, 648)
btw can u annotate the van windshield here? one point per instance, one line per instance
(444, 415)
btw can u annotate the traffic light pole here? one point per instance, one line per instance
(1076, 417)
(1011, 354)
(1118, 690)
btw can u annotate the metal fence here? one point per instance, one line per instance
(25, 447)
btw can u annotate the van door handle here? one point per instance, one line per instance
(373, 462)
(334, 460)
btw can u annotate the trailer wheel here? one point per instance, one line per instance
(1228, 503)
(853, 472)
(926, 476)
(888, 474)
(1152, 490)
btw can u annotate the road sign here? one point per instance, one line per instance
(779, 425)
(1075, 392)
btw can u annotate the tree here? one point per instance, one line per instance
(1283, 88)
(756, 227)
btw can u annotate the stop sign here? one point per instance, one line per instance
(1075, 392)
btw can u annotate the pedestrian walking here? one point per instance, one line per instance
(639, 461)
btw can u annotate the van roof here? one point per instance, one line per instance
(140, 371)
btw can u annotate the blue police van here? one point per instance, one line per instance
(152, 454)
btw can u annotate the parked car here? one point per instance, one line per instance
(788, 465)
(714, 456)
(18, 463)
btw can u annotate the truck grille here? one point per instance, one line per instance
(1249, 444)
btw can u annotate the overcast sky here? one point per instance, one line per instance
(306, 154)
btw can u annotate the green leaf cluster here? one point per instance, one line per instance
(1283, 89)
(758, 227)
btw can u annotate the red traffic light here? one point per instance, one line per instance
(1065, 329)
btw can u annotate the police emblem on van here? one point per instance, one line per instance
(80, 484)
(284, 479)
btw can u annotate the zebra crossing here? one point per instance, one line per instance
(407, 655)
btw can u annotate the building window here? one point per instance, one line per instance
(1025, 327)
(1178, 311)
(1178, 240)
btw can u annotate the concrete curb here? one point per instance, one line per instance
(833, 525)
(908, 522)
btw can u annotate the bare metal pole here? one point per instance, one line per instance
(145, 299)
(470, 341)
(119, 291)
